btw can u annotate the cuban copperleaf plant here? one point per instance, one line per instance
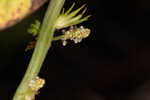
(56, 18)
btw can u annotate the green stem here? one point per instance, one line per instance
(41, 48)
(58, 37)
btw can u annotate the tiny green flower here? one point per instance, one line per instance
(34, 28)
(69, 18)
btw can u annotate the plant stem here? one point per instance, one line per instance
(41, 48)
(58, 37)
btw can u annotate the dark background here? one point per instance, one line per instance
(113, 63)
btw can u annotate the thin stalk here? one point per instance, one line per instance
(58, 37)
(41, 48)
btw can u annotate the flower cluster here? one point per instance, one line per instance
(64, 20)
(36, 84)
(75, 34)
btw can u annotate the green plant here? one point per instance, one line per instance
(53, 20)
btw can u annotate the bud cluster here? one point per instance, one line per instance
(75, 34)
(36, 84)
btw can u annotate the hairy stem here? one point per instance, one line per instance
(41, 48)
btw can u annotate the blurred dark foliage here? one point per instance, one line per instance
(112, 64)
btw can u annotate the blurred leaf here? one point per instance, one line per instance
(12, 11)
